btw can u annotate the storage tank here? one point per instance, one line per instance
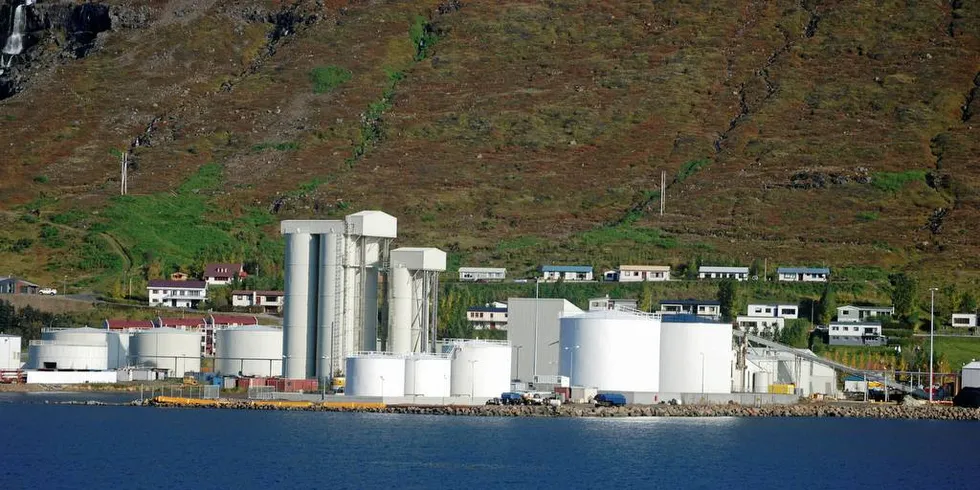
(300, 298)
(178, 351)
(118, 346)
(428, 375)
(59, 355)
(249, 351)
(9, 352)
(761, 381)
(695, 355)
(330, 304)
(375, 374)
(611, 350)
(78, 336)
(480, 368)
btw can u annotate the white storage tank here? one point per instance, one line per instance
(249, 351)
(761, 381)
(178, 351)
(611, 350)
(375, 374)
(9, 352)
(118, 347)
(58, 355)
(77, 336)
(695, 355)
(428, 375)
(480, 368)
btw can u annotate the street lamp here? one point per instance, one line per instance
(702, 373)
(472, 376)
(932, 335)
(571, 367)
(534, 360)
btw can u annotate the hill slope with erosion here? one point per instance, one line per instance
(805, 132)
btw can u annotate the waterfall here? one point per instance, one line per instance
(15, 43)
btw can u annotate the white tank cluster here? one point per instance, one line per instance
(480, 368)
(9, 351)
(611, 349)
(249, 351)
(177, 351)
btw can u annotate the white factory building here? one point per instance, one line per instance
(765, 367)
(533, 331)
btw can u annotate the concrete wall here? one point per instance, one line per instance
(520, 332)
(712, 398)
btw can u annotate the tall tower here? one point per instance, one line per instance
(414, 276)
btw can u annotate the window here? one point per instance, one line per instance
(835, 328)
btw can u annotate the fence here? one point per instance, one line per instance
(206, 392)
(261, 392)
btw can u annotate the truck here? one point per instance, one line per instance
(511, 398)
(609, 400)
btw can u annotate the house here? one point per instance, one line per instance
(775, 310)
(223, 274)
(760, 325)
(269, 301)
(127, 325)
(610, 304)
(964, 320)
(492, 316)
(700, 307)
(566, 272)
(854, 333)
(640, 273)
(190, 323)
(12, 285)
(851, 313)
(712, 272)
(482, 273)
(176, 294)
(804, 274)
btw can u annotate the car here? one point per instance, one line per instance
(47, 291)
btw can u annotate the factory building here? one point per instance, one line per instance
(533, 331)
(765, 367)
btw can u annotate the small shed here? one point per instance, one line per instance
(971, 375)
(855, 384)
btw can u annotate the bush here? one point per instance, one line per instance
(41, 179)
(895, 181)
(327, 78)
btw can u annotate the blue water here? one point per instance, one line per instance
(55, 446)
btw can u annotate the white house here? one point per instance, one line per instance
(804, 274)
(640, 273)
(270, 301)
(223, 274)
(566, 272)
(711, 272)
(776, 310)
(964, 320)
(700, 307)
(854, 333)
(176, 294)
(761, 325)
(482, 273)
(851, 313)
(610, 304)
(488, 317)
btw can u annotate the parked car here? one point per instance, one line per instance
(48, 291)
(609, 400)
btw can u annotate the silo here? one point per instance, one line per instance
(178, 351)
(79, 336)
(428, 375)
(330, 319)
(611, 350)
(375, 374)
(249, 351)
(414, 298)
(480, 368)
(369, 234)
(400, 335)
(9, 352)
(118, 349)
(695, 355)
(761, 381)
(300, 298)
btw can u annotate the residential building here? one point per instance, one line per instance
(482, 274)
(606, 303)
(492, 316)
(854, 333)
(269, 301)
(712, 272)
(776, 310)
(700, 307)
(223, 274)
(852, 313)
(176, 294)
(566, 272)
(13, 285)
(640, 273)
(804, 274)
(760, 325)
(964, 320)
(532, 331)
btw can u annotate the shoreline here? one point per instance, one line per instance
(875, 411)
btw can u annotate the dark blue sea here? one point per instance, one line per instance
(47, 446)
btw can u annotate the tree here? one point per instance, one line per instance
(947, 302)
(904, 293)
(728, 296)
(796, 333)
(756, 269)
(646, 302)
(692, 268)
(968, 303)
(828, 305)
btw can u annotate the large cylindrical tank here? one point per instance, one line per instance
(400, 332)
(300, 306)
(695, 355)
(480, 368)
(60, 355)
(9, 352)
(761, 381)
(428, 375)
(330, 326)
(79, 336)
(611, 350)
(178, 351)
(118, 349)
(375, 374)
(249, 351)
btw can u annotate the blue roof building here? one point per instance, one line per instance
(804, 274)
(566, 272)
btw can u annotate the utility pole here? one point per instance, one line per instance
(124, 174)
(663, 190)
(932, 336)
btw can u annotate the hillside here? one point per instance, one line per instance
(812, 132)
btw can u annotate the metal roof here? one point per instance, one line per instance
(711, 268)
(652, 268)
(803, 270)
(164, 283)
(489, 309)
(691, 302)
(566, 268)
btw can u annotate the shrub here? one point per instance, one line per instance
(41, 179)
(895, 181)
(690, 168)
(327, 78)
